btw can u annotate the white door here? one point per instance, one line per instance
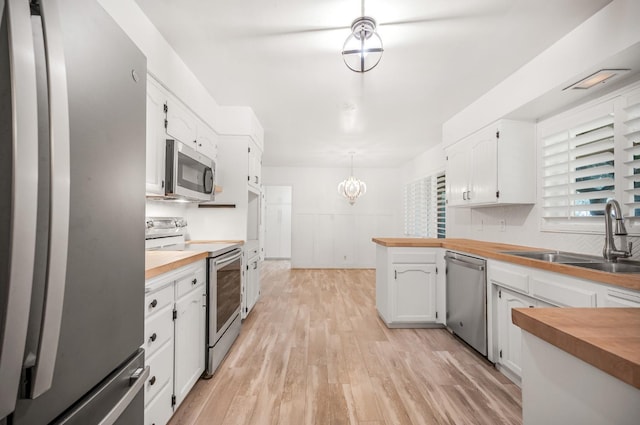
(156, 138)
(414, 294)
(510, 335)
(484, 169)
(457, 176)
(181, 123)
(278, 200)
(189, 340)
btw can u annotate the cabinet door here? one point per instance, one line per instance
(457, 177)
(207, 141)
(181, 122)
(253, 284)
(484, 168)
(510, 335)
(156, 98)
(414, 293)
(189, 341)
(255, 165)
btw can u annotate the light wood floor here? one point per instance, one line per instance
(313, 351)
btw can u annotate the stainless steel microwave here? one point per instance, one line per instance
(188, 174)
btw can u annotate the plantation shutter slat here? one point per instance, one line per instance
(424, 207)
(441, 206)
(578, 167)
(632, 156)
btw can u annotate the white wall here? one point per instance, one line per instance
(326, 230)
(612, 30)
(427, 164)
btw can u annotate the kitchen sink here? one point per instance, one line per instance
(621, 267)
(555, 256)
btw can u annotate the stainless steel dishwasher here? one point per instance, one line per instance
(467, 299)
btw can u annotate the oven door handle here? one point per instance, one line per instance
(224, 261)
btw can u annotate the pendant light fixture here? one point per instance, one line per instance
(352, 188)
(362, 50)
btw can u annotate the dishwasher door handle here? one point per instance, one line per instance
(479, 267)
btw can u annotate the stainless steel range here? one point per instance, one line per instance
(224, 283)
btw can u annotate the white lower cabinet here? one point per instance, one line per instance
(514, 286)
(407, 286)
(175, 304)
(158, 411)
(414, 293)
(189, 334)
(509, 335)
(250, 279)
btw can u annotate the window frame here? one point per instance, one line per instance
(623, 170)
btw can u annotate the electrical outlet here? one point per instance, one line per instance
(503, 225)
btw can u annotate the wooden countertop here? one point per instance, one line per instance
(159, 262)
(606, 338)
(494, 251)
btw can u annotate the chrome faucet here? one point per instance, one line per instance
(610, 252)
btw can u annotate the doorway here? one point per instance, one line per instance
(277, 245)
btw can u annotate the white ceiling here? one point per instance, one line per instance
(282, 58)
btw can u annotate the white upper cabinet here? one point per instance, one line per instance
(495, 165)
(207, 141)
(185, 126)
(181, 122)
(156, 136)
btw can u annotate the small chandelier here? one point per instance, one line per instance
(363, 48)
(352, 188)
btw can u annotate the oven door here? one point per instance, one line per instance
(225, 286)
(189, 174)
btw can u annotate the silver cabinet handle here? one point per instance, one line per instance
(60, 188)
(468, 195)
(464, 195)
(24, 140)
(136, 381)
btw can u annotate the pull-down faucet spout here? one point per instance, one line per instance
(610, 252)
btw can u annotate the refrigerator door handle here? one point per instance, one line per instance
(60, 197)
(137, 380)
(24, 201)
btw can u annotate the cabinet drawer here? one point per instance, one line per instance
(161, 372)
(158, 330)
(503, 276)
(188, 284)
(159, 411)
(621, 298)
(413, 257)
(562, 294)
(157, 300)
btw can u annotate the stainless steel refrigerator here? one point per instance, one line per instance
(72, 160)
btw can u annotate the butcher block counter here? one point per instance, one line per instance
(607, 338)
(494, 250)
(159, 262)
(582, 365)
